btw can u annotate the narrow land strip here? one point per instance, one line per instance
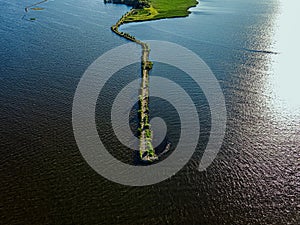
(147, 152)
(144, 10)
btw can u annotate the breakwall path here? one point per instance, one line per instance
(147, 153)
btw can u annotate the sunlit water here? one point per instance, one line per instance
(251, 46)
(283, 83)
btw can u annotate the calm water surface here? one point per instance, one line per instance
(248, 45)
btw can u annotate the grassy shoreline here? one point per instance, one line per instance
(161, 9)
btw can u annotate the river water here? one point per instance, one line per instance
(249, 45)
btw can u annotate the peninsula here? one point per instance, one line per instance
(144, 10)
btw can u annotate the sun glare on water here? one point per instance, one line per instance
(284, 80)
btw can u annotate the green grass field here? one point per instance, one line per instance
(160, 9)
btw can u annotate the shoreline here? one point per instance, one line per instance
(144, 10)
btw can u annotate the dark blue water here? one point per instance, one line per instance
(44, 179)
